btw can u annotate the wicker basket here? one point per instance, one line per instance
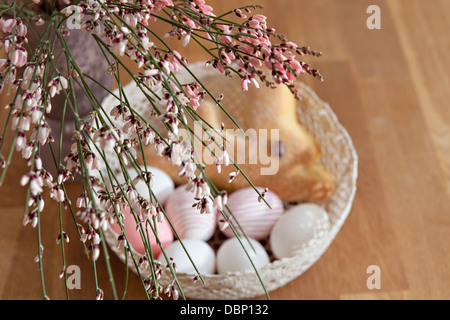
(338, 157)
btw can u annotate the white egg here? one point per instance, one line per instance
(162, 185)
(188, 222)
(201, 253)
(297, 229)
(250, 216)
(231, 256)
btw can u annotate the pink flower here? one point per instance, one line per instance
(205, 9)
(174, 60)
(67, 11)
(21, 141)
(27, 151)
(148, 136)
(278, 55)
(226, 59)
(268, 64)
(244, 84)
(96, 247)
(119, 46)
(7, 26)
(187, 21)
(226, 39)
(297, 66)
(56, 85)
(255, 82)
(260, 18)
(35, 181)
(186, 39)
(161, 4)
(187, 169)
(40, 22)
(44, 134)
(246, 48)
(195, 103)
(219, 66)
(265, 50)
(226, 29)
(131, 20)
(199, 187)
(57, 193)
(254, 24)
(254, 61)
(20, 57)
(218, 203)
(3, 65)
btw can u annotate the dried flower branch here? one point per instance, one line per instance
(238, 42)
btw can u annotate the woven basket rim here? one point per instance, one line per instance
(111, 236)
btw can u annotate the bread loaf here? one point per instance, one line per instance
(286, 153)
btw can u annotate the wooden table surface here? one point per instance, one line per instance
(390, 88)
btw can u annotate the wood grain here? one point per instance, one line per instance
(390, 89)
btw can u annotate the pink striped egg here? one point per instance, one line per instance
(253, 217)
(187, 221)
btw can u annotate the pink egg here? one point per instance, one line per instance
(188, 222)
(254, 217)
(164, 230)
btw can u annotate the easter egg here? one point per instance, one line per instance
(188, 222)
(231, 256)
(297, 229)
(161, 184)
(254, 217)
(201, 253)
(163, 229)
